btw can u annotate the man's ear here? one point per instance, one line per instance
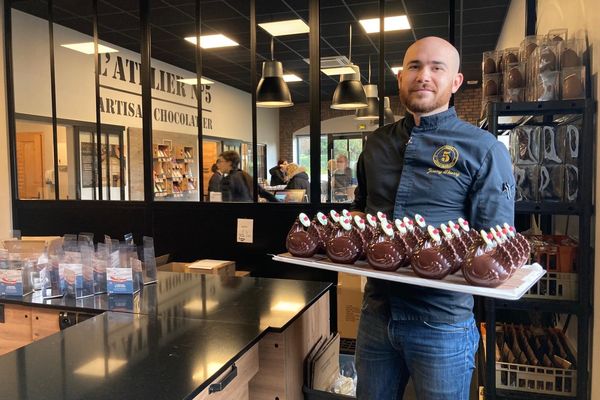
(458, 80)
(399, 77)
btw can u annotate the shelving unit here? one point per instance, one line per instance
(549, 113)
(173, 171)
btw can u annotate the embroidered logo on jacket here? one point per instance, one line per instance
(445, 157)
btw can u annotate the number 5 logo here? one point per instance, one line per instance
(445, 157)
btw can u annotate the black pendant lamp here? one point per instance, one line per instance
(388, 114)
(272, 91)
(371, 112)
(349, 93)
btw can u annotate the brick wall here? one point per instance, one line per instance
(467, 102)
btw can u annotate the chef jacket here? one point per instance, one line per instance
(443, 169)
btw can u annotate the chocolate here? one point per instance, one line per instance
(299, 242)
(320, 228)
(484, 268)
(511, 58)
(530, 48)
(557, 39)
(547, 60)
(569, 58)
(434, 259)
(490, 88)
(489, 66)
(515, 79)
(572, 87)
(385, 252)
(344, 246)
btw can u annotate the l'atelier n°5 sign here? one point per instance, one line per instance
(124, 75)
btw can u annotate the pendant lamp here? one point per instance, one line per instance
(388, 114)
(371, 112)
(272, 91)
(349, 93)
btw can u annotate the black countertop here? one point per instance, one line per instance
(270, 302)
(170, 341)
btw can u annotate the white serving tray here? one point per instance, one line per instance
(513, 289)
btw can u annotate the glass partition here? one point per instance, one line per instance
(283, 108)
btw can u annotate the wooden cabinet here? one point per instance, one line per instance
(22, 325)
(237, 388)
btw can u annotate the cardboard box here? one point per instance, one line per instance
(241, 274)
(207, 266)
(350, 290)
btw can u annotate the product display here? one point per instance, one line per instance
(551, 182)
(486, 259)
(489, 62)
(573, 83)
(526, 179)
(173, 171)
(525, 145)
(553, 145)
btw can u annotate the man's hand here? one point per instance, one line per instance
(359, 213)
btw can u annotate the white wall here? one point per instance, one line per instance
(578, 16)
(5, 193)
(230, 110)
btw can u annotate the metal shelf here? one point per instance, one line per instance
(517, 395)
(530, 207)
(538, 108)
(555, 306)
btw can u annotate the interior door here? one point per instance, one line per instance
(30, 165)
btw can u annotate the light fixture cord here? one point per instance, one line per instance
(272, 48)
(369, 68)
(350, 45)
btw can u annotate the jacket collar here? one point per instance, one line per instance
(431, 121)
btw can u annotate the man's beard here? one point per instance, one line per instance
(423, 107)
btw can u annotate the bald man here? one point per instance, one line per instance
(433, 164)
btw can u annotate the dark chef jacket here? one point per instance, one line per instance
(442, 169)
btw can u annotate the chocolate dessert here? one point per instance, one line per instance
(569, 58)
(344, 246)
(512, 58)
(489, 265)
(335, 217)
(530, 48)
(515, 79)
(413, 238)
(489, 66)
(471, 236)
(572, 88)
(434, 259)
(364, 235)
(384, 252)
(490, 88)
(547, 59)
(320, 228)
(460, 249)
(405, 239)
(299, 242)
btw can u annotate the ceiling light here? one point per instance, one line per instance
(338, 70)
(88, 48)
(272, 91)
(193, 81)
(213, 41)
(388, 114)
(472, 82)
(291, 78)
(282, 28)
(371, 112)
(396, 23)
(395, 70)
(349, 93)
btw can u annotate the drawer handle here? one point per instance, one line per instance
(217, 387)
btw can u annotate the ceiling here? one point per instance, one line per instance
(172, 20)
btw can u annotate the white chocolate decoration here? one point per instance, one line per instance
(359, 222)
(400, 226)
(420, 220)
(322, 218)
(496, 236)
(387, 228)
(454, 227)
(345, 213)
(446, 231)
(372, 220)
(464, 224)
(304, 220)
(434, 233)
(345, 223)
(335, 217)
(510, 229)
(409, 224)
(381, 216)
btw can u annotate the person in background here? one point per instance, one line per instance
(234, 185)
(278, 173)
(429, 163)
(214, 184)
(297, 178)
(341, 179)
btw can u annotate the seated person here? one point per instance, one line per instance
(278, 173)
(297, 178)
(341, 179)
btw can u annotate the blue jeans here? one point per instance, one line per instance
(439, 357)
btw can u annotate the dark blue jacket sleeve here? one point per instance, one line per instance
(492, 196)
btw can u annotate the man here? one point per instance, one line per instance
(341, 179)
(433, 164)
(278, 173)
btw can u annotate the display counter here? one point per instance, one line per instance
(173, 340)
